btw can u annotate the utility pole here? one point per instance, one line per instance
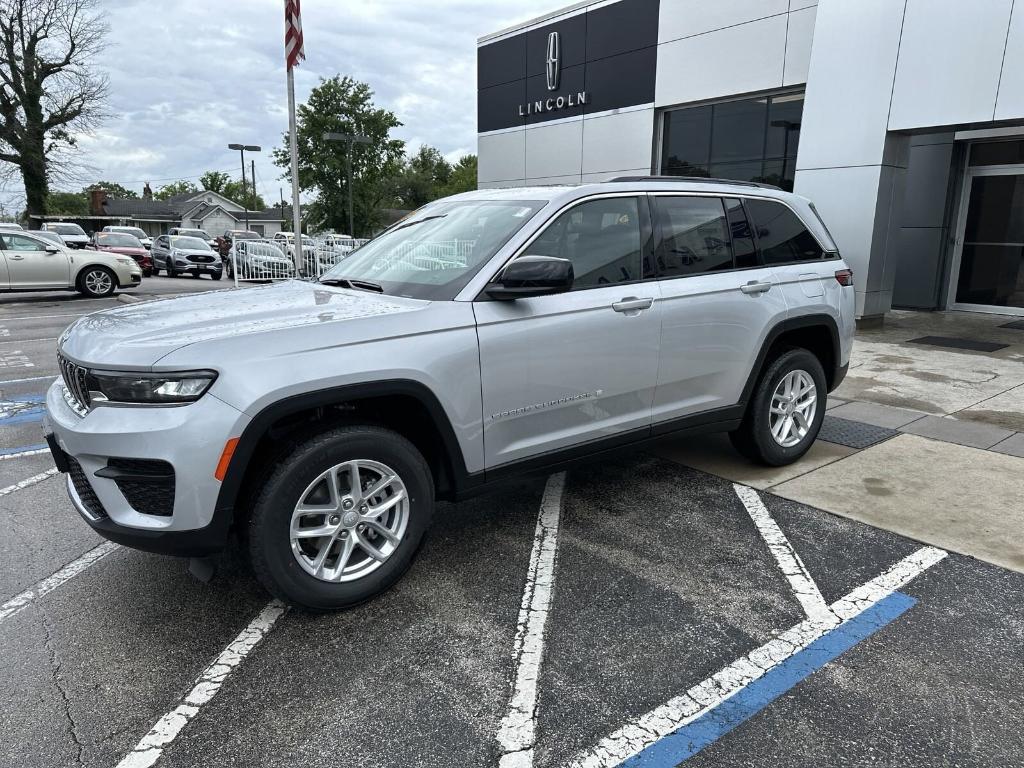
(245, 186)
(352, 140)
(252, 164)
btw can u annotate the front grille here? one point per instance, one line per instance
(76, 389)
(201, 259)
(147, 484)
(83, 488)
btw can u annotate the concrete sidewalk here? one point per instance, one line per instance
(926, 441)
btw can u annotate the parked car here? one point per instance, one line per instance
(286, 241)
(50, 237)
(126, 245)
(230, 235)
(490, 333)
(183, 255)
(35, 263)
(72, 234)
(202, 234)
(10, 225)
(139, 232)
(258, 260)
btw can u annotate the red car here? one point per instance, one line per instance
(126, 245)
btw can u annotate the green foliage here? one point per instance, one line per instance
(463, 177)
(180, 187)
(426, 176)
(232, 189)
(68, 203)
(214, 181)
(343, 105)
(113, 189)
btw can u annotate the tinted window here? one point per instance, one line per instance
(744, 253)
(686, 149)
(694, 236)
(601, 239)
(781, 235)
(13, 242)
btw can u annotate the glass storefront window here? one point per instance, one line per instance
(747, 140)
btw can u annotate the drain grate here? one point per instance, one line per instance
(853, 434)
(1017, 325)
(947, 341)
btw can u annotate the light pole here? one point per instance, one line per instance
(242, 148)
(352, 139)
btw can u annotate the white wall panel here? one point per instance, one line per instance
(589, 178)
(1010, 101)
(554, 150)
(798, 45)
(853, 59)
(613, 142)
(949, 62)
(547, 181)
(501, 156)
(685, 18)
(729, 61)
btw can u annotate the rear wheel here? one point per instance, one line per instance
(785, 412)
(97, 282)
(341, 518)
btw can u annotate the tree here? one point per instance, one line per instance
(463, 177)
(425, 174)
(49, 91)
(113, 189)
(181, 187)
(214, 181)
(232, 189)
(343, 105)
(69, 203)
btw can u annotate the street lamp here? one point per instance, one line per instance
(243, 148)
(352, 140)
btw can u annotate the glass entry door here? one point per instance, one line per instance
(988, 269)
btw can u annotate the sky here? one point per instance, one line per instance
(188, 77)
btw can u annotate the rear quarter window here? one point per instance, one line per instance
(781, 235)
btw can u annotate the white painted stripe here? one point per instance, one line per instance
(50, 583)
(636, 736)
(167, 728)
(20, 454)
(28, 481)
(23, 381)
(792, 567)
(517, 732)
(26, 341)
(44, 317)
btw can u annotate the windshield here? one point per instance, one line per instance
(241, 235)
(133, 231)
(189, 243)
(436, 251)
(194, 233)
(117, 240)
(53, 237)
(67, 229)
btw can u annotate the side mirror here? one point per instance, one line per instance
(532, 276)
(52, 249)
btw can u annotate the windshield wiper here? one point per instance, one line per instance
(405, 224)
(359, 285)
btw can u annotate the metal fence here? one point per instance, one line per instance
(265, 259)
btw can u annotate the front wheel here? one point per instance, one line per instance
(97, 282)
(341, 518)
(786, 411)
(216, 275)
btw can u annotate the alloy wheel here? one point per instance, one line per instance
(793, 406)
(98, 282)
(349, 520)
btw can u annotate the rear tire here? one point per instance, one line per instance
(285, 564)
(780, 425)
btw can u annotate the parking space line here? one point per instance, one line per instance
(664, 737)
(518, 730)
(792, 567)
(28, 450)
(151, 746)
(25, 381)
(50, 583)
(28, 481)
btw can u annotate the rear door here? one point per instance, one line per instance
(564, 370)
(31, 265)
(718, 300)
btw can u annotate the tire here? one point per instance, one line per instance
(230, 269)
(97, 282)
(755, 439)
(216, 275)
(300, 476)
(148, 272)
(156, 271)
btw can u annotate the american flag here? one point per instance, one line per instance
(294, 52)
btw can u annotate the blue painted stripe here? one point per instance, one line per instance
(684, 743)
(22, 449)
(26, 399)
(24, 417)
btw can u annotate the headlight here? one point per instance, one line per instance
(126, 262)
(184, 387)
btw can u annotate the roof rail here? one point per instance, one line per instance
(694, 180)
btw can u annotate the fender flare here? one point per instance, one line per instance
(792, 324)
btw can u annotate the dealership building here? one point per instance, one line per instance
(903, 120)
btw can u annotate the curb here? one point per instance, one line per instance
(125, 298)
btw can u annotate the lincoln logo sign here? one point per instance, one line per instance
(553, 69)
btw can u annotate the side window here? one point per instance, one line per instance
(743, 249)
(781, 235)
(601, 238)
(694, 236)
(14, 242)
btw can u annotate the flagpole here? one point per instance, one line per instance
(294, 146)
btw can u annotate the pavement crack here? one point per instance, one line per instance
(55, 676)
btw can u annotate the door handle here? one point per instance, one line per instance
(754, 287)
(17, 258)
(632, 304)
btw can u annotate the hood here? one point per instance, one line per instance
(123, 250)
(137, 336)
(195, 252)
(75, 238)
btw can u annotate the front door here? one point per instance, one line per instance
(988, 273)
(564, 370)
(31, 265)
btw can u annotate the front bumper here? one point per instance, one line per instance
(189, 438)
(208, 268)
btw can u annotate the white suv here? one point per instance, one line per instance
(489, 333)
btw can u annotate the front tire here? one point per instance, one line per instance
(785, 412)
(319, 540)
(97, 282)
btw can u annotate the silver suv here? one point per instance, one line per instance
(488, 334)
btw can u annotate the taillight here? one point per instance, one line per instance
(844, 276)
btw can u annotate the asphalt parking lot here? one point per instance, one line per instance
(633, 611)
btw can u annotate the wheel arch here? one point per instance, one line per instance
(818, 333)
